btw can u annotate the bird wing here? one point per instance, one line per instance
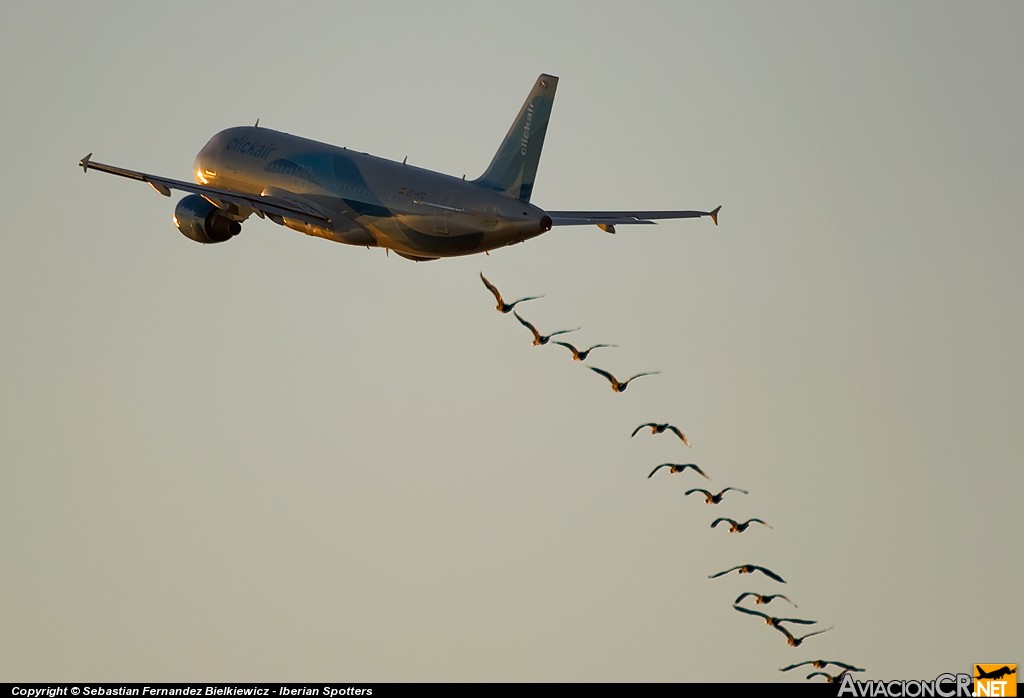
(785, 632)
(610, 378)
(563, 331)
(569, 347)
(657, 468)
(720, 520)
(846, 667)
(769, 573)
(801, 621)
(492, 288)
(816, 632)
(749, 612)
(719, 574)
(675, 430)
(697, 468)
(527, 298)
(697, 489)
(794, 666)
(645, 373)
(637, 430)
(737, 489)
(527, 325)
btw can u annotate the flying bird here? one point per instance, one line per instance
(539, 338)
(659, 428)
(582, 354)
(502, 306)
(821, 664)
(772, 620)
(761, 599)
(749, 569)
(620, 387)
(714, 498)
(794, 641)
(736, 526)
(678, 468)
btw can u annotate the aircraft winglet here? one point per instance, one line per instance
(714, 215)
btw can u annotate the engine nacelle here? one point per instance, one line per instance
(199, 220)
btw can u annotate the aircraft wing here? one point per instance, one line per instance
(609, 218)
(274, 207)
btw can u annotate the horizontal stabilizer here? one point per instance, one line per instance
(602, 218)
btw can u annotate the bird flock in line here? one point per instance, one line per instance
(734, 526)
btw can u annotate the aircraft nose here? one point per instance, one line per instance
(545, 223)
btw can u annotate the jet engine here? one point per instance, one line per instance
(199, 220)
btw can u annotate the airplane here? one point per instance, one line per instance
(360, 199)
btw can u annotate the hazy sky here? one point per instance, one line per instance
(281, 458)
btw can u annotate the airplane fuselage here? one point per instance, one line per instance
(369, 200)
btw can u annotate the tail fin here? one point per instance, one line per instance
(514, 166)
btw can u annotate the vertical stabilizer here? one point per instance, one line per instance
(514, 166)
